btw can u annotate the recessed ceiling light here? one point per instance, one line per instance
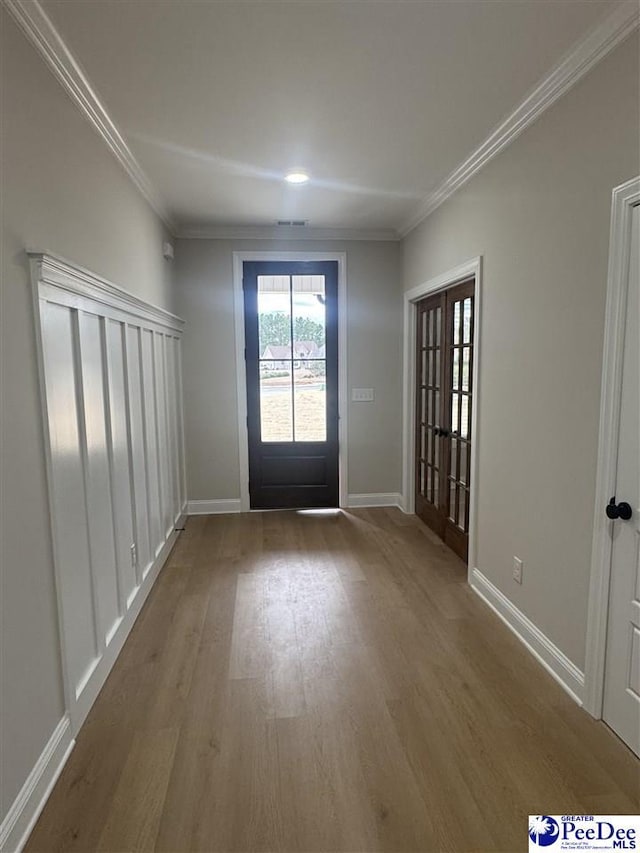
(297, 176)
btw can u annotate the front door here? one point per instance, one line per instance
(444, 397)
(622, 672)
(291, 337)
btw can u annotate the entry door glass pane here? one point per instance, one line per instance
(276, 379)
(293, 368)
(274, 316)
(310, 406)
(276, 411)
(309, 367)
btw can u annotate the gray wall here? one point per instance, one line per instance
(204, 272)
(62, 191)
(539, 216)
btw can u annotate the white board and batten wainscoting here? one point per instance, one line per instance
(111, 389)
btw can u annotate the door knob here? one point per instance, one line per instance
(622, 510)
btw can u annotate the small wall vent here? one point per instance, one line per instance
(297, 223)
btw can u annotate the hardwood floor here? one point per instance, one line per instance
(309, 682)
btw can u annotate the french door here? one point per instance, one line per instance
(444, 400)
(291, 338)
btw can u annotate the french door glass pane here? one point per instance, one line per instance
(276, 411)
(456, 323)
(464, 448)
(452, 500)
(456, 369)
(466, 353)
(310, 400)
(464, 427)
(462, 506)
(454, 413)
(468, 310)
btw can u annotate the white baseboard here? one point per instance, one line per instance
(217, 507)
(214, 507)
(373, 499)
(552, 659)
(26, 808)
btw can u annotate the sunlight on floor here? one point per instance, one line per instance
(331, 511)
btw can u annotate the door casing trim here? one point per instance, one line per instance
(623, 199)
(471, 268)
(241, 381)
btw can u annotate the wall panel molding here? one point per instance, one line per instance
(64, 276)
(112, 411)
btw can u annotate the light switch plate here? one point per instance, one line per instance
(362, 395)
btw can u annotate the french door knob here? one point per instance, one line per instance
(622, 510)
(445, 433)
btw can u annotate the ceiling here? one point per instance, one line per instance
(378, 100)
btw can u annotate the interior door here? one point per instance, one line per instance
(444, 397)
(621, 708)
(291, 337)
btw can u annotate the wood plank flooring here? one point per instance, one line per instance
(312, 682)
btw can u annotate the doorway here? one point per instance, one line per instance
(465, 273)
(443, 412)
(612, 676)
(291, 363)
(621, 708)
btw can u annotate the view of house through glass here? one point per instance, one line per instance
(292, 357)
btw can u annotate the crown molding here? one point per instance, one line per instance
(35, 23)
(595, 46)
(39, 29)
(280, 232)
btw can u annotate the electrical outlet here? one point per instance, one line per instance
(517, 570)
(134, 555)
